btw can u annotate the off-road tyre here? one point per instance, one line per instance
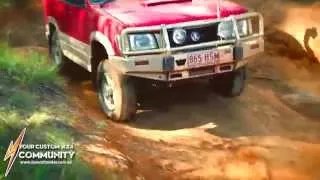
(56, 55)
(230, 84)
(125, 103)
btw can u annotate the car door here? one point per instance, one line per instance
(58, 10)
(78, 16)
(77, 38)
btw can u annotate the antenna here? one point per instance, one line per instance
(219, 8)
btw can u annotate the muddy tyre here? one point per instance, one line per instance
(56, 53)
(230, 84)
(116, 94)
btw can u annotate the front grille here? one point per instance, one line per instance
(208, 34)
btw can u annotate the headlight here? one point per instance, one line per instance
(179, 36)
(243, 27)
(140, 42)
(226, 29)
(195, 36)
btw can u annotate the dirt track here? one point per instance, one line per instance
(195, 134)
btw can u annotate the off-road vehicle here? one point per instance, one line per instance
(160, 40)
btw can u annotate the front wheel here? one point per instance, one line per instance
(116, 94)
(230, 84)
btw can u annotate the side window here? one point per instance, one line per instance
(80, 3)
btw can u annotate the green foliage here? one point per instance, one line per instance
(4, 4)
(77, 171)
(10, 119)
(58, 136)
(21, 106)
(30, 70)
(15, 3)
(22, 100)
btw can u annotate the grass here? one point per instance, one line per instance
(23, 73)
(47, 122)
(30, 70)
(22, 100)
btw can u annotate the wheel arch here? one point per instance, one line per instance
(52, 25)
(98, 37)
(98, 54)
(100, 49)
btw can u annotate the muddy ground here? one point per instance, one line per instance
(271, 132)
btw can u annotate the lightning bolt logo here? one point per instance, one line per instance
(13, 151)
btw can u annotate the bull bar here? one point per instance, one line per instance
(163, 29)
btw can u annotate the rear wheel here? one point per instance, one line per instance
(230, 84)
(116, 94)
(56, 53)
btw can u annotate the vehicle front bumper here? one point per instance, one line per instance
(170, 64)
(157, 67)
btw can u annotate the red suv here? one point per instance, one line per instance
(160, 40)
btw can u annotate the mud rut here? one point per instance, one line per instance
(191, 133)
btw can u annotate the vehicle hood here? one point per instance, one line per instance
(134, 13)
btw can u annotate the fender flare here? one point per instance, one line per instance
(53, 21)
(104, 41)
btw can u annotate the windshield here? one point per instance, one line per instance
(100, 1)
